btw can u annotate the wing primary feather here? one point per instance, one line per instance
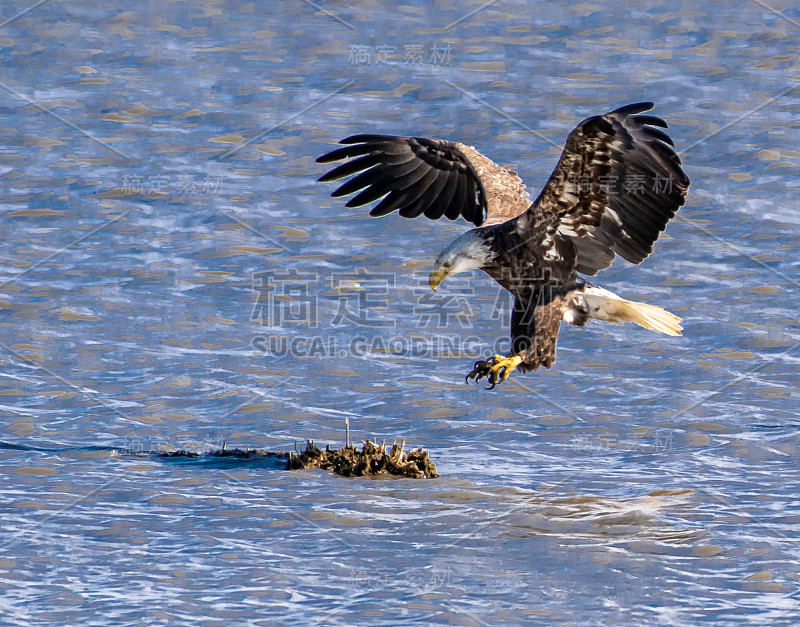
(346, 153)
(456, 205)
(351, 167)
(633, 109)
(398, 199)
(651, 120)
(661, 135)
(445, 197)
(400, 170)
(387, 205)
(416, 206)
(370, 177)
(368, 139)
(436, 207)
(369, 195)
(411, 178)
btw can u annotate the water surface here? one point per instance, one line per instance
(159, 213)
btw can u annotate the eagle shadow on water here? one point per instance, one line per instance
(617, 184)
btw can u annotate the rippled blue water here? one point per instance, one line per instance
(159, 214)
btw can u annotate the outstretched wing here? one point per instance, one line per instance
(431, 177)
(617, 184)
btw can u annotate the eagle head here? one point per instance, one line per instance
(469, 251)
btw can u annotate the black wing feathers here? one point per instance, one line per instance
(416, 175)
(632, 109)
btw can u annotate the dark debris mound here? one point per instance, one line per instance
(371, 461)
(237, 453)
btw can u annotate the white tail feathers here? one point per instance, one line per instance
(607, 306)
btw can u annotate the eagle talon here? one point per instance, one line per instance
(479, 370)
(495, 370)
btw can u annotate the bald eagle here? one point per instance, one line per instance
(616, 186)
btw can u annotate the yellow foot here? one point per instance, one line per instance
(496, 369)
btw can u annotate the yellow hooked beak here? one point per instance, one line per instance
(437, 276)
